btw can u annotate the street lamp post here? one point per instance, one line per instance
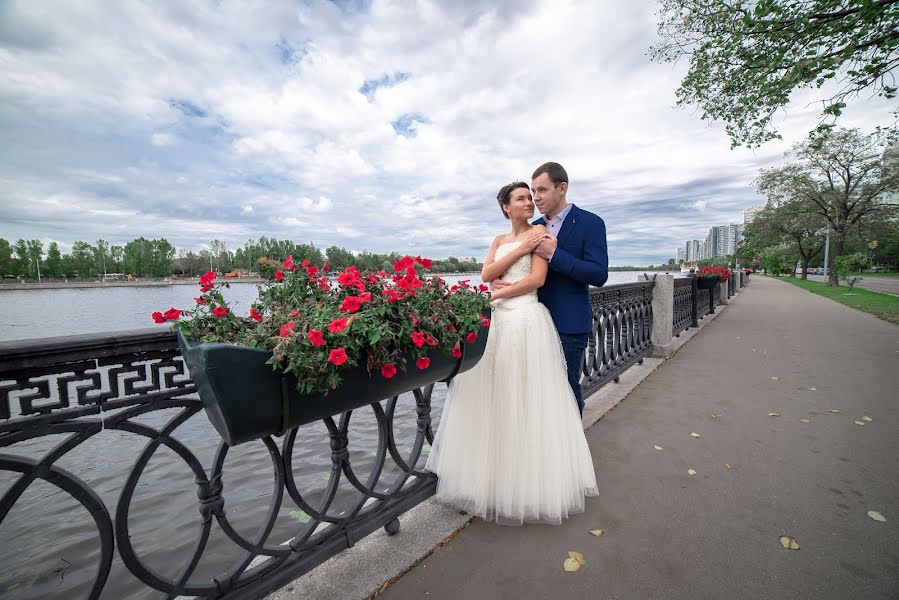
(826, 254)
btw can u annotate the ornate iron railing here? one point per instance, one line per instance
(74, 410)
(622, 324)
(702, 304)
(732, 284)
(684, 304)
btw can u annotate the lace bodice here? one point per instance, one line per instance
(520, 269)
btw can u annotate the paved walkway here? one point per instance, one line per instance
(879, 283)
(715, 535)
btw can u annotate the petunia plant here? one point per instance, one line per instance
(317, 327)
(720, 273)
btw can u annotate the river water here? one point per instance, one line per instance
(49, 543)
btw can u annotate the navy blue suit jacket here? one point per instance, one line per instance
(581, 260)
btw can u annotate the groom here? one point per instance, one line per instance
(575, 246)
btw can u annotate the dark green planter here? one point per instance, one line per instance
(245, 399)
(707, 283)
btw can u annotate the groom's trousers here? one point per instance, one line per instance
(573, 345)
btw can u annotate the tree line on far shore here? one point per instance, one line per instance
(143, 257)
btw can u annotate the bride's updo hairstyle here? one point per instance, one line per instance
(504, 197)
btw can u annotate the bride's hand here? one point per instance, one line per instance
(530, 241)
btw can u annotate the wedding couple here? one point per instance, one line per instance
(511, 446)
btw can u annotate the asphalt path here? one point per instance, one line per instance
(668, 534)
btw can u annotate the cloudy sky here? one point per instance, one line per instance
(369, 125)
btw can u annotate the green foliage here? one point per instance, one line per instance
(851, 263)
(747, 56)
(881, 305)
(54, 261)
(7, 265)
(775, 261)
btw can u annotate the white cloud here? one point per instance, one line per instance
(257, 125)
(162, 139)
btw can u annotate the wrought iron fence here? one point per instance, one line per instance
(732, 284)
(622, 324)
(702, 304)
(63, 395)
(684, 304)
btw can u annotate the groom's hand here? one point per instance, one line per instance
(547, 247)
(498, 284)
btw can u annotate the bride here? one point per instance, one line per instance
(510, 446)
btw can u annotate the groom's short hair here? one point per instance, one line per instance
(556, 172)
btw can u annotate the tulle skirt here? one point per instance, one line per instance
(511, 445)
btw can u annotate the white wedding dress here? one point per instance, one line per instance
(510, 446)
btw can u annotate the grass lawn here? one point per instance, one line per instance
(878, 304)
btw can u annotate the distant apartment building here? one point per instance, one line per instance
(750, 214)
(693, 250)
(681, 255)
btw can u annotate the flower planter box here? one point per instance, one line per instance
(245, 399)
(707, 283)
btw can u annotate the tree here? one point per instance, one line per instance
(849, 264)
(7, 265)
(82, 261)
(54, 261)
(21, 260)
(339, 258)
(787, 219)
(747, 56)
(775, 261)
(841, 176)
(101, 252)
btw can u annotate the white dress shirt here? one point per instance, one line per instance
(554, 225)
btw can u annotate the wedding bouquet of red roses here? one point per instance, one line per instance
(316, 327)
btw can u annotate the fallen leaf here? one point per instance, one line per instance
(658, 447)
(694, 434)
(833, 410)
(571, 566)
(814, 389)
(691, 472)
(597, 532)
(576, 556)
(805, 420)
(868, 419)
(876, 516)
(727, 466)
(860, 423)
(714, 416)
(775, 378)
(773, 414)
(789, 542)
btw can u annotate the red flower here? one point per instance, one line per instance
(295, 313)
(304, 264)
(485, 322)
(323, 284)
(325, 267)
(207, 279)
(313, 271)
(337, 357)
(337, 325)
(351, 304)
(456, 352)
(483, 288)
(172, 314)
(200, 301)
(388, 371)
(220, 311)
(403, 264)
(425, 262)
(349, 277)
(414, 319)
(464, 284)
(279, 275)
(471, 337)
(423, 363)
(254, 314)
(157, 317)
(431, 341)
(288, 263)
(315, 336)
(206, 287)
(418, 338)
(287, 329)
